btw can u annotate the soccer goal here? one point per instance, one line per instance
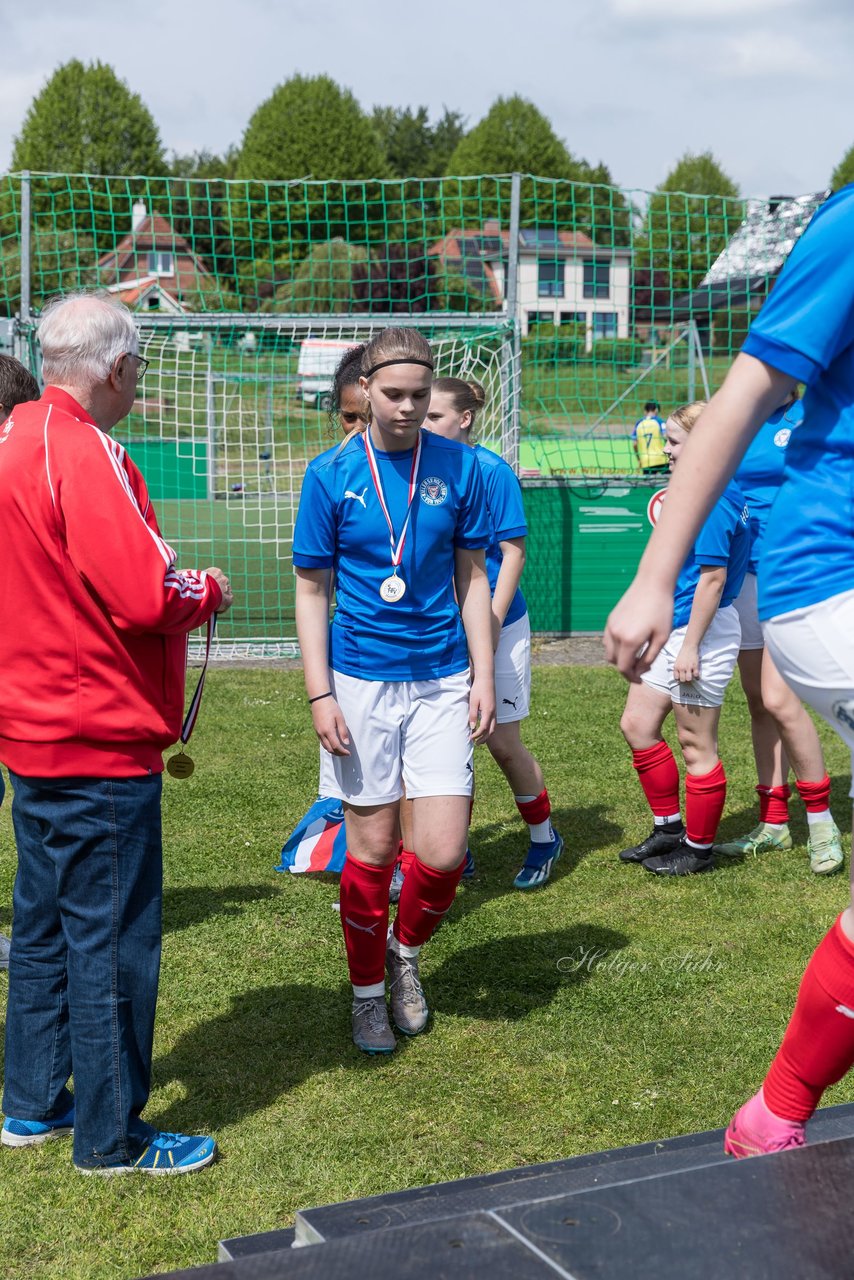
(230, 413)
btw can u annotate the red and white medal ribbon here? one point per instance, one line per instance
(396, 548)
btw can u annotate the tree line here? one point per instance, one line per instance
(409, 179)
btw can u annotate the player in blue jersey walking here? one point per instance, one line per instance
(804, 333)
(690, 676)
(454, 405)
(399, 516)
(783, 733)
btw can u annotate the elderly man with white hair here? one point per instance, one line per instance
(93, 654)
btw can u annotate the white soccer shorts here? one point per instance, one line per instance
(408, 733)
(513, 672)
(813, 649)
(718, 656)
(747, 608)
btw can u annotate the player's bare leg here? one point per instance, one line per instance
(523, 773)
(641, 723)
(772, 766)
(705, 792)
(802, 746)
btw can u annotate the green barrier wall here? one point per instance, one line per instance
(172, 468)
(584, 544)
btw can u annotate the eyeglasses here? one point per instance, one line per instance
(141, 364)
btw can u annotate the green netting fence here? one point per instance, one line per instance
(574, 304)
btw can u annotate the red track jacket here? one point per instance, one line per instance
(93, 613)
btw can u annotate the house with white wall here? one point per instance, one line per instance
(564, 278)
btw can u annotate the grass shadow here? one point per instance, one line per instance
(499, 853)
(508, 978)
(267, 1042)
(188, 905)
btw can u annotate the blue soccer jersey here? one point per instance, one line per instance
(723, 540)
(504, 499)
(806, 329)
(761, 471)
(340, 525)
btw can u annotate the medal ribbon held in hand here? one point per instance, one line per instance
(181, 765)
(392, 589)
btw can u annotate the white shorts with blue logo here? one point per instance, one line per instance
(406, 733)
(513, 672)
(718, 656)
(813, 649)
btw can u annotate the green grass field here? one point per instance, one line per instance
(606, 1008)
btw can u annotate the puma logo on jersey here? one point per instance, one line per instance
(509, 702)
(363, 928)
(357, 497)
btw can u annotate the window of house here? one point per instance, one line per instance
(541, 318)
(604, 324)
(597, 279)
(550, 278)
(160, 264)
(573, 317)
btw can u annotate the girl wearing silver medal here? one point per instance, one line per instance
(399, 516)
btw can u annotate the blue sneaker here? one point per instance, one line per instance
(468, 866)
(30, 1133)
(538, 864)
(166, 1153)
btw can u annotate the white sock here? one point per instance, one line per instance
(823, 816)
(408, 953)
(541, 832)
(701, 848)
(369, 992)
(775, 826)
(671, 817)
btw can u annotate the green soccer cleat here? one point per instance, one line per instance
(762, 839)
(825, 848)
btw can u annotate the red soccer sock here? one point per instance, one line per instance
(425, 897)
(658, 774)
(705, 795)
(818, 1047)
(406, 858)
(815, 795)
(364, 919)
(774, 804)
(537, 810)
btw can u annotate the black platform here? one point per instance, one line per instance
(667, 1210)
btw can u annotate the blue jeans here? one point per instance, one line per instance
(85, 958)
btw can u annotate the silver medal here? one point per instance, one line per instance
(392, 589)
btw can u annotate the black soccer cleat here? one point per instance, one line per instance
(684, 860)
(662, 840)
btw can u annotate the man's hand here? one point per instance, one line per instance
(225, 587)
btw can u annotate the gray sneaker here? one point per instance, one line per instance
(408, 1006)
(371, 1030)
(5, 946)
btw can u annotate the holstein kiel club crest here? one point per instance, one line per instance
(433, 491)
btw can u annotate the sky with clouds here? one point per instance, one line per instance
(767, 85)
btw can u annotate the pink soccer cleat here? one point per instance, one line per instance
(756, 1131)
